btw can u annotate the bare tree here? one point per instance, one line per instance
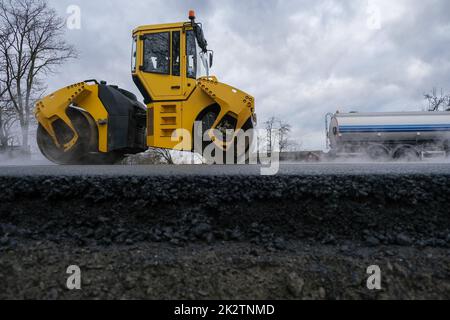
(7, 115)
(294, 146)
(283, 136)
(3, 92)
(31, 46)
(270, 126)
(3, 138)
(7, 122)
(437, 103)
(278, 135)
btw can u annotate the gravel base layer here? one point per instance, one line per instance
(227, 237)
(36, 270)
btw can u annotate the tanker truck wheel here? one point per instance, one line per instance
(407, 153)
(378, 153)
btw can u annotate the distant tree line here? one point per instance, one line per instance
(278, 136)
(438, 102)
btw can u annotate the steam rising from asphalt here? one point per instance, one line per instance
(33, 160)
(367, 160)
(39, 160)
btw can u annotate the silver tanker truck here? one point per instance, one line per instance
(390, 135)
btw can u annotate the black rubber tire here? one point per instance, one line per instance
(243, 158)
(208, 117)
(75, 154)
(378, 153)
(407, 153)
(85, 152)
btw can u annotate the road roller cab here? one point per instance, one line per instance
(95, 122)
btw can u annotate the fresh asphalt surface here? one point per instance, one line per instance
(426, 168)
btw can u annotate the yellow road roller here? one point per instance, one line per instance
(93, 122)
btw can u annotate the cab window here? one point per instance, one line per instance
(157, 53)
(191, 54)
(176, 59)
(133, 55)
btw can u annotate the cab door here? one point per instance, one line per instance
(161, 64)
(190, 62)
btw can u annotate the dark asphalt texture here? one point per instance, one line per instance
(226, 232)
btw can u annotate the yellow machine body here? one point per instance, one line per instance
(165, 68)
(168, 117)
(176, 101)
(54, 107)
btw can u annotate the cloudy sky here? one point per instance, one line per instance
(300, 59)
